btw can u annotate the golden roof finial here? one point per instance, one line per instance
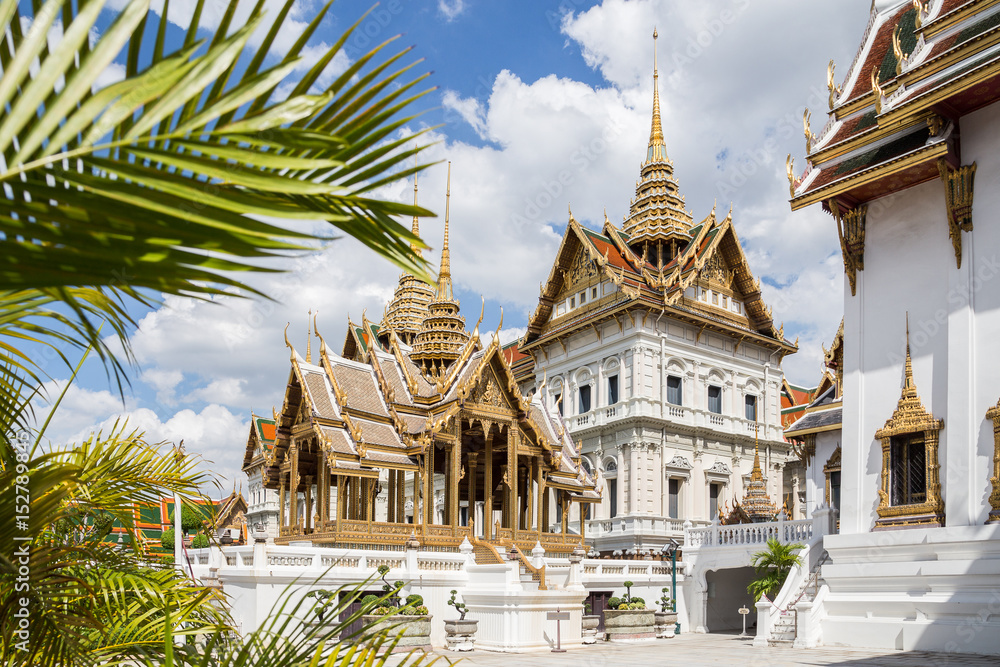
(444, 275)
(657, 145)
(416, 221)
(309, 337)
(909, 386)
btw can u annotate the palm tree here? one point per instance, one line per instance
(772, 567)
(192, 170)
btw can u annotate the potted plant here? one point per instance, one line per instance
(411, 620)
(461, 632)
(591, 622)
(666, 618)
(628, 620)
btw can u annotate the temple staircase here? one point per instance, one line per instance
(785, 629)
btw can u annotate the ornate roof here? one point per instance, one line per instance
(260, 441)
(657, 213)
(442, 335)
(756, 503)
(921, 65)
(409, 306)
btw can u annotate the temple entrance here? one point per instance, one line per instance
(727, 592)
(598, 601)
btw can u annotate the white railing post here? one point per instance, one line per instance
(763, 623)
(714, 539)
(822, 519)
(687, 533)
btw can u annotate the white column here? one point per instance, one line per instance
(622, 509)
(957, 448)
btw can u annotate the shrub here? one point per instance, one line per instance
(460, 606)
(369, 601)
(421, 611)
(199, 541)
(639, 600)
(383, 611)
(614, 603)
(414, 600)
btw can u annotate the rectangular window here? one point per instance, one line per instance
(585, 399)
(908, 471)
(673, 499)
(612, 389)
(559, 405)
(674, 392)
(612, 498)
(715, 298)
(751, 408)
(572, 302)
(835, 490)
(725, 301)
(583, 297)
(463, 516)
(714, 491)
(737, 307)
(715, 399)
(593, 293)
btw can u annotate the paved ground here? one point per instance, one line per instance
(691, 650)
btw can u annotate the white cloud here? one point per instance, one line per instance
(468, 109)
(215, 434)
(451, 8)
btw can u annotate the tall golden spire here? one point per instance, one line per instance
(658, 214)
(309, 337)
(657, 144)
(444, 275)
(416, 221)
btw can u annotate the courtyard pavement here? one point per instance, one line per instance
(712, 649)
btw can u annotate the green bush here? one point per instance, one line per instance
(414, 600)
(369, 600)
(639, 600)
(199, 541)
(167, 539)
(383, 611)
(614, 603)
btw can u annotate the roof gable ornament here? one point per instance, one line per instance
(851, 230)
(958, 191)
(831, 85)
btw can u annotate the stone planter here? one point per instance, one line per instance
(629, 625)
(590, 625)
(461, 634)
(666, 623)
(416, 629)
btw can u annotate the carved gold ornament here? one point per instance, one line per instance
(994, 415)
(911, 419)
(958, 191)
(851, 230)
(790, 172)
(831, 85)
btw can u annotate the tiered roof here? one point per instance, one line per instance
(825, 411)
(756, 503)
(921, 66)
(659, 262)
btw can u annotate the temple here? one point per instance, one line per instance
(653, 340)
(417, 431)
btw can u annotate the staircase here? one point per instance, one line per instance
(783, 631)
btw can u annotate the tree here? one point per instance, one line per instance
(191, 519)
(169, 181)
(772, 567)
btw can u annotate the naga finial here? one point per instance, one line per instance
(810, 137)
(790, 171)
(877, 89)
(831, 84)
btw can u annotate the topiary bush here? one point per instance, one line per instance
(369, 601)
(414, 600)
(614, 603)
(199, 541)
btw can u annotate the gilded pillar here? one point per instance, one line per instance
(994, 415)
(401, 496)
(293, 484)
(282, 514)
(390, 506)
(565, 511)
(540, 490)
(529, 480)
(429, 484)
(471, 486)
(307, 514)
(341, 501)
(512, 442)
(488, 487)
(322, 490)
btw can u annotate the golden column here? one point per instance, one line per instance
(488, 487)
(994, 415)
(512, 442)
(293, 483)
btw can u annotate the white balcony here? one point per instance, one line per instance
(642, 406)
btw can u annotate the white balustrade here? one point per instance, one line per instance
(800, 530)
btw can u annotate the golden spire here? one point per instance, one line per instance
(416, 221)
(309, 336)
(657, 144)
(444, 275)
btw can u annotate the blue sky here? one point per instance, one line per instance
(527, 92)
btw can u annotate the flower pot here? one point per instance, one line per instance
(666, 622)
(461, 634)
(416, 630)
(629, 625)
(590, 626)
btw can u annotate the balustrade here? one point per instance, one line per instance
(748, 534)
